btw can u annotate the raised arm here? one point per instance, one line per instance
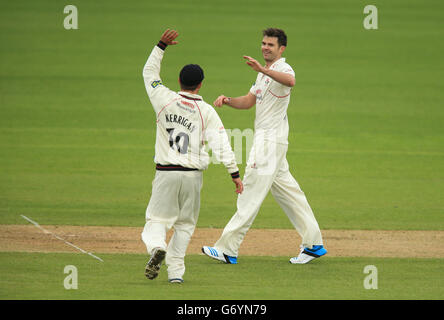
(281, 77)
(151, 69)
(157, 92)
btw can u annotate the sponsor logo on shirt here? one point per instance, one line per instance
(156, 83)
(188, 104)
(188, 107)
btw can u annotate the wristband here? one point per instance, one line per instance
(162, 45)
(235, 175)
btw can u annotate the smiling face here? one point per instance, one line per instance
(271, 51)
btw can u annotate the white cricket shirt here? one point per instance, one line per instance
(272, 99)
(184, 123)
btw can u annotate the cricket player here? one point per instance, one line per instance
(184, 123)
(267, 167)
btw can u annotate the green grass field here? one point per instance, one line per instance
(121, 277)
(77, 135)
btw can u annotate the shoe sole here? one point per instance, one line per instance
(153, 266)
(306, 260)
(310, 257)
(176, 280)
(309, 253)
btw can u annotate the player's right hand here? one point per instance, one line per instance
(220, 101)
(239, 185)
(169, 36)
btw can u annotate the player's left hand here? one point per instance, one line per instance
(239, 185)
(253, 63)
(169, 36)
(221, 100)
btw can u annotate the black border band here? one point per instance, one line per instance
(173, 167)
(235, 175)
(162, 45)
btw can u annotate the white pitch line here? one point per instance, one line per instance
(59, 238)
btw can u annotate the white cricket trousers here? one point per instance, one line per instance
(174, 203)
(267, 169)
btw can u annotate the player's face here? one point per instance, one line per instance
(270, 49)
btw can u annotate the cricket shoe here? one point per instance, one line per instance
(306, 254)
(216, 254)
(153, 266)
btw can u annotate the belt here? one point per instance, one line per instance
(173, 167)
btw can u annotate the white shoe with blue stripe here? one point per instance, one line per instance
(216, 254)
(306, 254)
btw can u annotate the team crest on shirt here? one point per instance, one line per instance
(156, 83)
(259, 94)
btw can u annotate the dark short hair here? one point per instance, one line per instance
(277, 33)
(189, 88)
(191, 76)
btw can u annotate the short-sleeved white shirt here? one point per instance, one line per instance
(272, 99)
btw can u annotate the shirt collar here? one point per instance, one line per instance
(190, 96)
(277, 62)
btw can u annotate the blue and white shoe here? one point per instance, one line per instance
(216, 254)
(306, 255)
(175, 280)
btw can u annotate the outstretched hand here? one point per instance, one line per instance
(169, 36)
(221, 100)
(253, 63)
